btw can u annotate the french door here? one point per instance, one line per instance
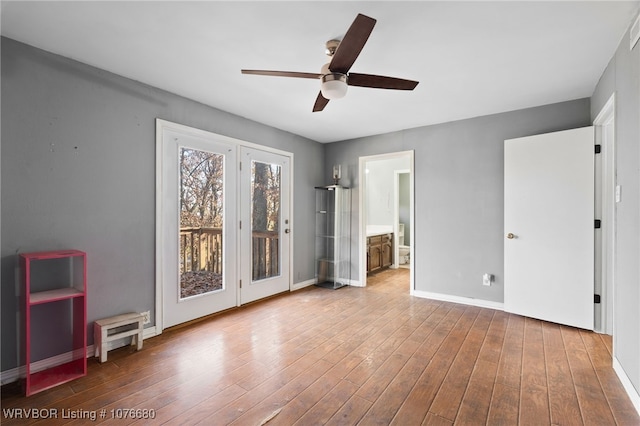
(265, 230)
(197, 239)
(217, 224)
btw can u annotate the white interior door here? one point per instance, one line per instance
(197, 198)
(265, 224)
(549, 227)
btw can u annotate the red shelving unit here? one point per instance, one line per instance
(55, 317)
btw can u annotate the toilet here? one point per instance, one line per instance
(403, 255)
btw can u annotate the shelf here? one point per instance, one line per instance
(58, 254)
(327, 260)
(55, 282)
(54, 295)
(46, 379)
(332, 236)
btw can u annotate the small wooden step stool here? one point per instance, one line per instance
(102, 327)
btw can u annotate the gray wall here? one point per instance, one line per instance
(622, 77)
(78, 171)
(459, 191)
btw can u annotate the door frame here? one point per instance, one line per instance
(606, 136)
(396, 216)
(161, 126)
(362, 214)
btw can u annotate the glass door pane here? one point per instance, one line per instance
(265, 220)
(201, 195)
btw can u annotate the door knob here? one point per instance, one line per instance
(286, 231)
(510, 236)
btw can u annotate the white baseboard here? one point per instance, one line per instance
(481, 303)
(303, 284)
(634, 396)
(308, 283)
(9, 376)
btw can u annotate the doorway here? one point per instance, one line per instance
(207, 187)
(379, 210)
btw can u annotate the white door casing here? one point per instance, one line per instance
(549, 227)
(362, 216)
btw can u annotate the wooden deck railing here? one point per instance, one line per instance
(201, 250)
(266, 254)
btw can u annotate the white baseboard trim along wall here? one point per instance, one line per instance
(307, 283)
(626, 383)
(459, 299)
(303, 284)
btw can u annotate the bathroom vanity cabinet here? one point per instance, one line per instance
(379, 251)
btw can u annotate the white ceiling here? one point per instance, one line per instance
(471, 58)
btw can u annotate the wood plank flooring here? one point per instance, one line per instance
(368, 356)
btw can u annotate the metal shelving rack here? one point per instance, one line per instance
(333, 236)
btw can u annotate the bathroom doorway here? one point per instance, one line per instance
(386, 213)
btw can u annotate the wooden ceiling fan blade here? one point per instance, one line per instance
(380, 82)
(321, 102)
(352, 44)
(283, 73)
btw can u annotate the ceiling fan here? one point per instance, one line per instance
(335, 75)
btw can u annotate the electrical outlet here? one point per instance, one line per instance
(486, 279)
(147, 317)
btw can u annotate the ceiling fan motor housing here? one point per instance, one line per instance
(331, 45)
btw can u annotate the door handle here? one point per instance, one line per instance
(510, 236)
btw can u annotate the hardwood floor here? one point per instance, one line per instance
(364, 356)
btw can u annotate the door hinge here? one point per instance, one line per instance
(598, 149)
(240, 224)
(240, 283)
(240, 162)
(597, 223)
(596, 298)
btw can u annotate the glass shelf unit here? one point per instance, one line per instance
(333, 236)
(55, 318)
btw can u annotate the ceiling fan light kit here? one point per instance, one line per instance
(334, 76)
(334, 86)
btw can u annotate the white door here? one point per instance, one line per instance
(198, 212)
(549, 227)
(265, 224)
